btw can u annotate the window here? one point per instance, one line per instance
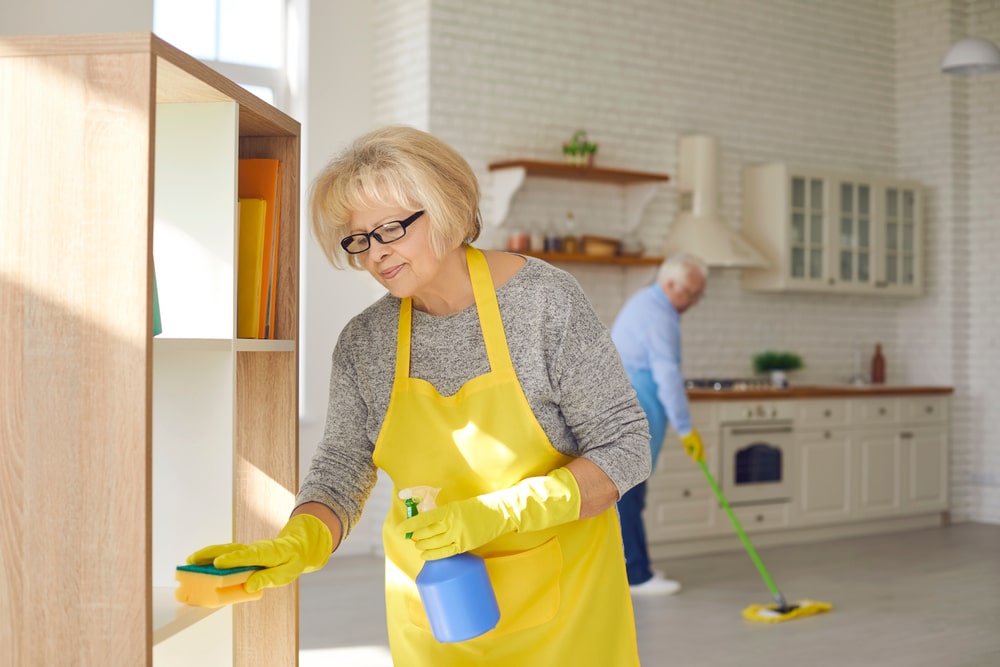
(244, 40)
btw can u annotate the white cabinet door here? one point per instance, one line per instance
(901, 242)
(852, 246)
(878, 471)
(925, 455)
(823, 488)
(679, 502)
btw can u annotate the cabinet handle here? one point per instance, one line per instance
(759, 518)
(827, 434)
(929, 409)
(686, 493)
(881, 411)
(827, 413)
(831, 281)
(881, 283)
(905, 435)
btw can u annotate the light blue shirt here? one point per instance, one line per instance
(647, 333)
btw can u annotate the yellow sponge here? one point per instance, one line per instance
(208, 586)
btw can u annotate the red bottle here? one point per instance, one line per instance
(878, 365)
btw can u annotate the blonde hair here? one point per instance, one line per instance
(396, 166)
(679, 267)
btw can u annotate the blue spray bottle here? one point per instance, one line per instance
(456, 591)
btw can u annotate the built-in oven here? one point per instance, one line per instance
(756, 461)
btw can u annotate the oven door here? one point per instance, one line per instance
(757, 462)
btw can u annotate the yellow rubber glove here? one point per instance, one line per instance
(533, 504)
(303, 545)
(693, 446)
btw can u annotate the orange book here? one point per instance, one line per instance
(260, 178)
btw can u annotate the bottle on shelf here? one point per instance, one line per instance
(570, 242)
(553, 240)
(878, 365)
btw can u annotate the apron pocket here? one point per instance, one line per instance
(526, 586)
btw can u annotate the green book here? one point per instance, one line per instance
(157, 325)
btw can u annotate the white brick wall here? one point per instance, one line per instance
(851, 85)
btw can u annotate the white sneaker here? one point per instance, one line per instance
(657, 585)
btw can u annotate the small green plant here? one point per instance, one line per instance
(769, 360)
(578, 150)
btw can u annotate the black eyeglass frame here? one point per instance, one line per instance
(347, 240)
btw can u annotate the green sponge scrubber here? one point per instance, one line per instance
(209, 586)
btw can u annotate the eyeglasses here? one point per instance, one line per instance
(385, 233)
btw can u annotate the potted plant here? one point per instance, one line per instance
(777, 364)
(578, 151)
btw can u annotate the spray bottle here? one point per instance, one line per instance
(456, 591)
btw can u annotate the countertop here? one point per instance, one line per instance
(814, 391)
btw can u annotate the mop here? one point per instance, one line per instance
(769, 613)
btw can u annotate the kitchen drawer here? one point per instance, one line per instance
(820, 413)
(679, 515)
(924, 409)
(673, 458)
(677, 488)
(761, 517)
(751, 411)
(870, 411)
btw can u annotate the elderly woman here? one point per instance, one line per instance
(486, 375)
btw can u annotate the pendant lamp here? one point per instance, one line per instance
(973, 55)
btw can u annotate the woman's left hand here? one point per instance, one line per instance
(533, 504)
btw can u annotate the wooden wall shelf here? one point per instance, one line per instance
(509, 175)
(573, 172)
(578, 258)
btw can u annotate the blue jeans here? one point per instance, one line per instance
(630, 507)
(632, 504)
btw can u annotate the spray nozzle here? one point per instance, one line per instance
(422, 498)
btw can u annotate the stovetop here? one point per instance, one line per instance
(730, 384)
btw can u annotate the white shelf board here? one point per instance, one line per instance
(170, 616)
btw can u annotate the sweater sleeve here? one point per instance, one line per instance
(342, 474)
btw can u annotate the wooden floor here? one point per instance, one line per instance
(928, 597)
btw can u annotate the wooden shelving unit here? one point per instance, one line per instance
(122, 453)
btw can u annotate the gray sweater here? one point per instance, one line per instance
(563, 356)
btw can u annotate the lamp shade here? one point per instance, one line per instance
(971, 56)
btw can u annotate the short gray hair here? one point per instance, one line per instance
(679, 266)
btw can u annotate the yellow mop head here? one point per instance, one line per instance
(769, 613)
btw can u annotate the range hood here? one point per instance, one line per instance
(699, 228)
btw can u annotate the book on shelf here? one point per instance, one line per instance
(250, 240)
(157, 322)
(260, 178)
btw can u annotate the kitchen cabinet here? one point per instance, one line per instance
(831, 232)
(638, 189)
(679, 502)
(124, 452)
(861, 461)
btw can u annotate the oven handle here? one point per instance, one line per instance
(762, 430)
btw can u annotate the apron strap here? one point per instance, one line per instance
(489, 310)
(403, 338)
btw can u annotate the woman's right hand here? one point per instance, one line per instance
(302, 546)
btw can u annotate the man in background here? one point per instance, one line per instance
(647, 333)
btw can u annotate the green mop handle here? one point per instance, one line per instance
(743, 537)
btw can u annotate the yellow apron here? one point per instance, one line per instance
(562, 592)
